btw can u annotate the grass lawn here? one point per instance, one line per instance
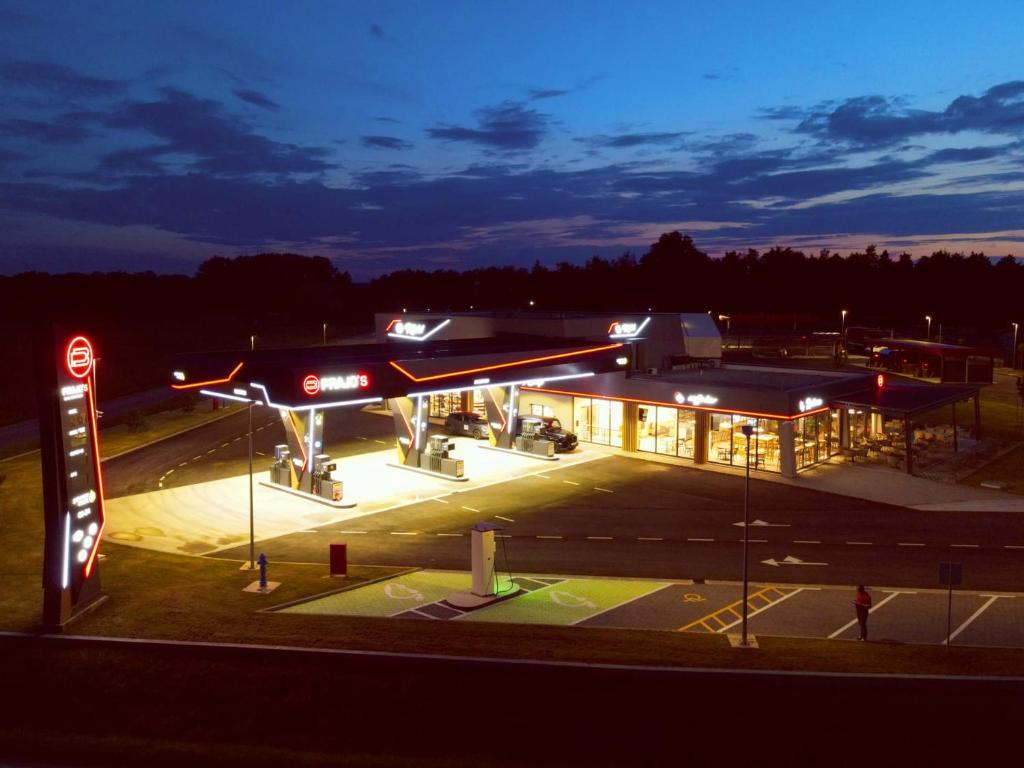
(1008, 469)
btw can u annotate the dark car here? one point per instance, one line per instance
(549, 428)
(466, 423)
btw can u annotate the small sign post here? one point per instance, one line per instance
(950, 575)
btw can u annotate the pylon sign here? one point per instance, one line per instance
(73, 505)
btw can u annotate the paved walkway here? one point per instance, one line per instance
(824, 612)
(206, 517)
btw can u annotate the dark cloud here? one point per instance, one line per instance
(385, 119)
(537, 94)
(875, 121)
(786, 112)
(385, 142)
(258, 99)
(966, 155)
(624, 140)
(64, 129)
(377, 31)
(56, 79)
(9, 156)
(142, 160)
(711, 76)
(508, 126)
(218, 143)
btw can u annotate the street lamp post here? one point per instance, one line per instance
(929, 319)
(325, 334)
(252, 342)
(748, 430)
(728, 321)
(1013, 354)
(252, 528)
(842, 327)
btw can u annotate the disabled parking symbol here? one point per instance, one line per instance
(402, 592)
(693, 597)
(569, 600)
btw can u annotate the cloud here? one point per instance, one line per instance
(509, 126)
(377, 31)
(877, 121)
(711, 76)
(9, 156)
(217, 142)
(258, 99)
(385, 119)
(65, 129)
(385, 142)
(56, 79)
(537, 94)
(625, 140)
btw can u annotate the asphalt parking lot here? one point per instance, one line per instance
(813, 611)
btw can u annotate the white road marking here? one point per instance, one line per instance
(874, 608)
(184, 463)
(805, 541)
(404, 533)
(260, 429)
(471, 509)
(353, 531)
(600, 538)
(700, 539)
(502, 536)
(506, 519)
(619, 605)
(549, 537)
(754, 541)
(308, 530)
(210, 451)
(224, 445)
(237, 439)
(448, 534)
(909, 544)
(649, 538)
(160, 485)
(570, 482)
(196, 458)
(1013, 546)
(360, 437)
(260, 453)
(860, 543)
(545, 477)
(965, 546)
(380, 441)
(603, 490)
(753, 613)
(440, 501)
(972, 617)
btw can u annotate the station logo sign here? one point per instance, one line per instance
(313, 384)
(696, 399)
(810, 403)
(79, 357)
(626, 329)
(414, 330)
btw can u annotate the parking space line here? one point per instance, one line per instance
(570, 482)
(805, 541)
(380, 441)
(183, 464)
(599, 538)
(353, 532)
(909, 544)
(448, 534)
(619, 605)
(649, 538)
(440, 501)
(548, 537)
(700, 539)
(971, 618)
(860, 543)
(471, 509)
(761, 594)
(224, 445)
(168, 472)
(544, 477)
(210, 451)
(965, 546)
(603, 490)
(196, 458)
(762, 609)
(506, 519)
(874, 608)
(1013, 546)
(404, 533)
(754, 541)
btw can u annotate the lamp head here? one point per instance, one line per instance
(748, 430)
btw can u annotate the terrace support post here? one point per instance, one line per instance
(956, 443)
(908, 433)
(787, 448)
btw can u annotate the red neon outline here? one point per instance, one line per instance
(309, 377)
(613, 324)
(392, 324)
(67, 357)
(225, 380)
(559, 356)
(99, 480)
(755, 414)
(880, 380)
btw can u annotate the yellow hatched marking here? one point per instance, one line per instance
(768, 594)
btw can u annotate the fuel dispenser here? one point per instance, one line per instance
(322, 484)
(528, 441)
(280, 471)
(437, 458)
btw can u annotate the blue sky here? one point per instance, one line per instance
(460, 134)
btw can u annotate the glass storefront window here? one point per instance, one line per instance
(598, 421)
(687, 433)
(444, 403)
(665, 430)
(812, 438)
(728, 445)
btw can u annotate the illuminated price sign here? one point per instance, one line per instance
(72, 476)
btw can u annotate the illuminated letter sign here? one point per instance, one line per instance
(313, 385)
(810, 403)
(696, 399)
(414, 330)
(880, 380)
(72, 475)
(626, 329)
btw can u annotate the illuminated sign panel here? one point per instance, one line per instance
(414, 330)
(72, 475)
(696, 399)
(627, 329)
(313, 384)
(810, 403)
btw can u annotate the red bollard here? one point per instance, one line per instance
(339, 559)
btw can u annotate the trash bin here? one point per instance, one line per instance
(339, 559)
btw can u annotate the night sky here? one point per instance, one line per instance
(145, 135)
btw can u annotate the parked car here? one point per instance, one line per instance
(466, 423)
(549, 428)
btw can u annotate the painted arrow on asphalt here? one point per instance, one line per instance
(763, 524)
(788, 560)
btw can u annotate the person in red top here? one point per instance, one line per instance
(862, 604)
